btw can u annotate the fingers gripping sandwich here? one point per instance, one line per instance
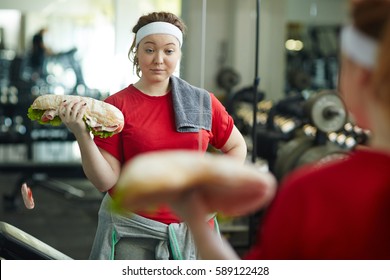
(101, 118)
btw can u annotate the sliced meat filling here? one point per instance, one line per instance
(49, 115)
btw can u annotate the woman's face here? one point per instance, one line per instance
(350, 88)
(346, 85)
(158, 55)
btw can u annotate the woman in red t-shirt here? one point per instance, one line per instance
(159, 115)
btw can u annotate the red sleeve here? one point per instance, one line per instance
(111, 144)
(222, 123)
(279, 236)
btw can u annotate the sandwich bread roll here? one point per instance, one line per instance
(101, 118)
(226, 185)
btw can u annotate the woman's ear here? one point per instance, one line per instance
(365, 81)
(364, 77)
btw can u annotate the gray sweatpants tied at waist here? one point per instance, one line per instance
(112, 227)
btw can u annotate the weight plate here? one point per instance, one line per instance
(326, 111)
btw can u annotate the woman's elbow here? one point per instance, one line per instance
(236, 148)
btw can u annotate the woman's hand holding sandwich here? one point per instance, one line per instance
(72, 113)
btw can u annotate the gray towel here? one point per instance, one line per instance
(192, 106)
(112, 227)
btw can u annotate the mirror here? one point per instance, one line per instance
(312, 44)
(72, 33)
(87, 40)
(312, 56)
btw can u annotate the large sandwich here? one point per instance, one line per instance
(161, 177)
(101, 118)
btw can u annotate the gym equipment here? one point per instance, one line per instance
(326, 111)
(228, 78)
(301, 128)
(16, 244)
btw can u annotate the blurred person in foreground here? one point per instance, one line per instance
(341, 209)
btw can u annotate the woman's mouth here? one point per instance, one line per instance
(157, 70)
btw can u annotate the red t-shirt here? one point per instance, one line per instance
(337, 211)
(150, 126)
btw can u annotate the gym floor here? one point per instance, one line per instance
(63, 221)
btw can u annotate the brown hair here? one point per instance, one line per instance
(372, 17)
(149, 18)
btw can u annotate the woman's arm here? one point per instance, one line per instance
(191, 208)
(235, 145)
(100, 167)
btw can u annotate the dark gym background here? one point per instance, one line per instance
(64, 222)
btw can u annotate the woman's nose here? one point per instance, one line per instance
(158, 58)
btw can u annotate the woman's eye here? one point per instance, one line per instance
(149, 51)
(169, 51)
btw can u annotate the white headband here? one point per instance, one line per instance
(159, 27)
(358, 46)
